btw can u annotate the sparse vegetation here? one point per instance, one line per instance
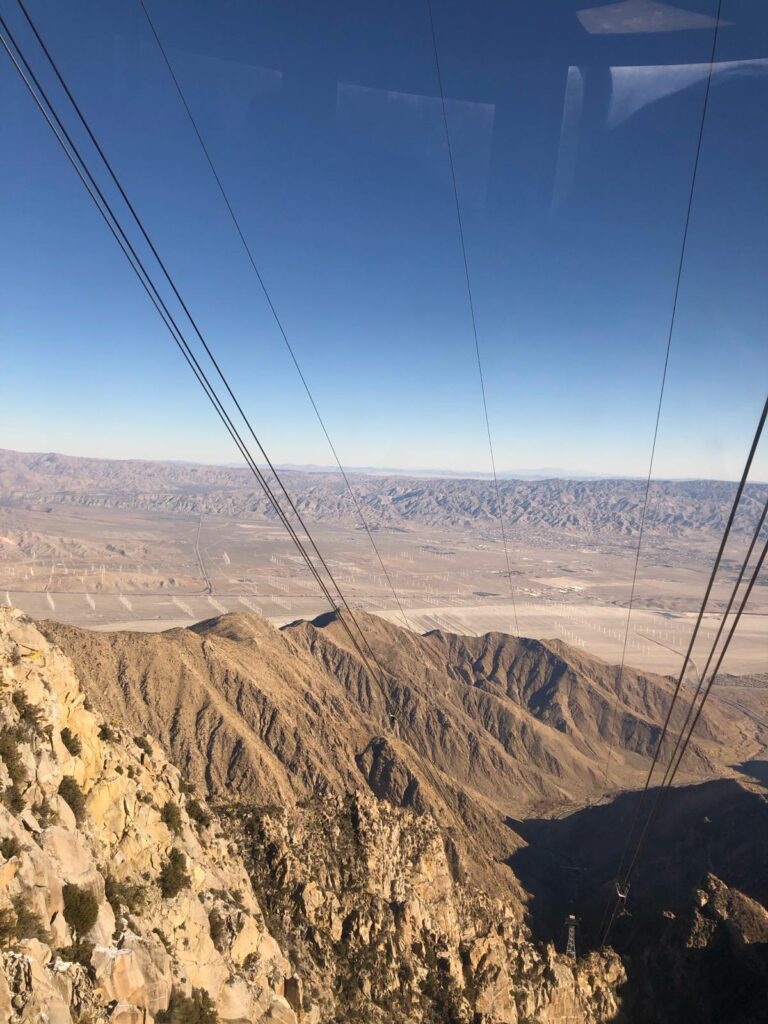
(11, 756)
(81, 908)
(198, 813)
(71, 793)
(171, 816)
(107, 733)
(45, 814)
(195, 1009)
(218, 929)
(163, 938)
(440, 992)
(29, 925)
(80, 952)
(19, 922)
(143, 744)
(71, 742)
(173, 874)
(10, 847)
(7, 925)
(126, 894)
(29, 714)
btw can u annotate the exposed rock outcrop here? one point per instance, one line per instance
(366, 898)
(118, 890)
(708, 963)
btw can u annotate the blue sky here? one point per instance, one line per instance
(574, 137)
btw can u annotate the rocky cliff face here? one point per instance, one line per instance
(369, 899)
(708, 963)
(123, 898)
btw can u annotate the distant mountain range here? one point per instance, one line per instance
(544, 473)
(584, 508)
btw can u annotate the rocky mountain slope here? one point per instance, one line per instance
(709, 964)
(123, 898)
(120, 895)
(580, 508)
(473, 730)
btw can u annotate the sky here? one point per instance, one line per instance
(574, 131)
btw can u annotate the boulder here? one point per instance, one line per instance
(139, 973)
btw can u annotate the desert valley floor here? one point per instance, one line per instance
(149, 546)
(150, 571)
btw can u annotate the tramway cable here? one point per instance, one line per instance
(621, 875)
(191, 319)
(136, 264)
(670, 333)
(682, 744)
(118, 232)
(183, 304)
(465, 260)
(622, 887)
(753, 579)
(270, 303)
(721, 627)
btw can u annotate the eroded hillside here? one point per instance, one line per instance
(474, 729)
(124, 898)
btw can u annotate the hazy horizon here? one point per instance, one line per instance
(423, 472)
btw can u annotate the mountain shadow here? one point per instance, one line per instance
(569, 864)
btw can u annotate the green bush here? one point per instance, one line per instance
(80, 952)
(218, 930)
(143, 744)
(73, 795)
(81, 908)
(173, 874)
(124, 894)
(10, 847)
(106, 733)
(11, 756)
(171, 816)
(198, 813)
(30, 715)
(19, 922)
(198, 1008)
(71, 742)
